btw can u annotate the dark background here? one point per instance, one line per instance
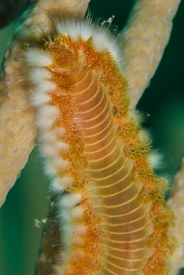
(162, 105)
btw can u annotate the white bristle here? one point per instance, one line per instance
(101, 37)
(54, 163)
(102, 41)
(52, 148)
(39, 74)
(75, 31)
(45, 87)
(66, 182)
(49, 169)
(144, 136)
(80, 229)
(44, 124)
(135, 114)
(155, 159)
(38, 99)
(61, 183)
(61, 146)
(38, 58)
(70, 200)
(61, 163)
(48, 134)
(60, 131)
(77, 212)
(55, 187)
(47, 150)
(47, 115)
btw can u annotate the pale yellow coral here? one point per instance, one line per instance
(176, 201)
(18, 132)
(144, 40)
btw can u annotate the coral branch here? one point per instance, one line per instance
(144, 40)
(16, 117)
(176, 201)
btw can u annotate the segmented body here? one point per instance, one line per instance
(110, 217)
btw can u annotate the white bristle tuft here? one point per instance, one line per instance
(50, 169)
(45, 87)
(61, 146)
(53, 148)
(144, 136)
(135, 114)
(38, 99)
(101, 37)
(77, 212)
(67, 182)
(70, 200)
(39, 74)
(61, 183)
(48, 150)
(55, 187)
(103, 41)
(46, 116)
(76, 31)
(44, 124)
(155, 159)
(37, 58)
(51, 138)
(61, 163)
(48, 135)
(80, 229)
(54, 163)
(60, 131)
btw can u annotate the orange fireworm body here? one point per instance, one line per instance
(108, 215)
